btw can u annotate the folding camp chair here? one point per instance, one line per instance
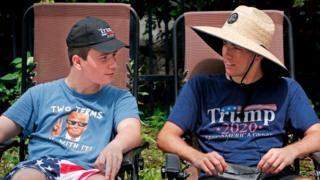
(199, 58)
(52, 23)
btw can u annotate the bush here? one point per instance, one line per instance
(10, 84)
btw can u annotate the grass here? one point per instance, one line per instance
(153, 157)
(8, 161)
(306, 167)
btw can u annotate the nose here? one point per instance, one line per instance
(227, 50)
(113, 62)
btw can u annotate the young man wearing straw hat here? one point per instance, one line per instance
(240, 117)
(105, 116)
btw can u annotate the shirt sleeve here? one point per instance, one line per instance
(301, 113)
(186, 109)
(126, 107)
(22, 112)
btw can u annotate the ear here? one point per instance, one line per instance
(76, 61)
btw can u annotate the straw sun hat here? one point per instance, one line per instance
(246, 27)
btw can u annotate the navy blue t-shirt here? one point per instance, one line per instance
(210, 107)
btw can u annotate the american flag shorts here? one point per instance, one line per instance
(55, 169)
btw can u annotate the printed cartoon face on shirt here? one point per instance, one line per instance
(76, 125)
(71, 128)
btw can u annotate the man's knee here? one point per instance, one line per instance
(96, 177)
(30, 173)
(296, 178)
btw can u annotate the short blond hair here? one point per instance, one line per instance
(80, 116)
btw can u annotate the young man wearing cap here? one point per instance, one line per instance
(42, 113)
(239, 118)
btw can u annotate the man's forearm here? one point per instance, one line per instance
(309, 143)
(178, 146)
(169, 140)
(128, 135)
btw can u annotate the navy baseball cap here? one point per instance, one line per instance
(95, 33)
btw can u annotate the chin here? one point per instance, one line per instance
(103, 83)
(230, 73)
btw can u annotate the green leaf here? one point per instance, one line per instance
(29, 60)
(16, 61)
(143, 93)
(10, 76)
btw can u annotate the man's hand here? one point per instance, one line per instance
(109, 160)
(276, 159)
(211, 163)
(56, 130)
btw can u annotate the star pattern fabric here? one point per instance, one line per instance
(55, 169)
(48, 166)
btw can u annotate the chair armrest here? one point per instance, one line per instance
(172, 168)
(132, 160)
(316, 161)
(7, 145)
(316, 157)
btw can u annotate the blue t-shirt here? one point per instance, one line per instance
(210, 107)
(87, 121)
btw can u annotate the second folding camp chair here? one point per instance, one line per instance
(52, 23)
(194, 56)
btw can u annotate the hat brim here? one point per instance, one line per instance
(109, 46)
(214, 36)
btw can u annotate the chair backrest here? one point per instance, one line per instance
(52, 23)
(197, 51)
